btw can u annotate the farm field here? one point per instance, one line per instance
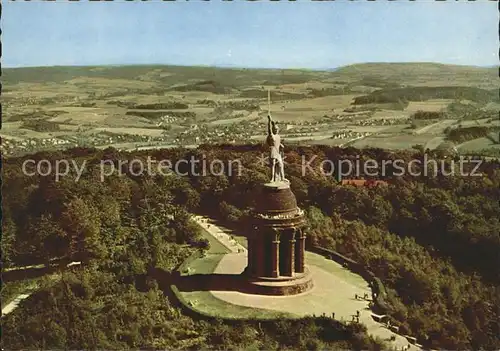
(394, 142)
(434, 143)
(249, 116)
(133, 131)
(372, 129)
(478, 145)
(429, 105)
(318, 138)
(435, 128)
(479, 122)
(329, 142)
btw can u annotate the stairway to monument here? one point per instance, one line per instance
(220, 234)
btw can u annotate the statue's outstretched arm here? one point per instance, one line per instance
(269, 123)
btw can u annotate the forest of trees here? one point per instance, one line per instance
(426, 93)
(248, 105)
(433, 241)
(32, 115)
(40, 125)
(131, 233)
(211, 86)
(458, 109)
(422, 115)
(460, 135)
(328, 91)
(464, 111)
(161, 106)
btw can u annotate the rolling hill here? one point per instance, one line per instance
(401, 73)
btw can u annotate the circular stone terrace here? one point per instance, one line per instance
(334, 291)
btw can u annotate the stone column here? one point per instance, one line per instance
(250, 259)
(300, 246)
(291, 254)
(258, 256)
(275, 253)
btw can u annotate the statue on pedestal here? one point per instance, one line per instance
(275, 151)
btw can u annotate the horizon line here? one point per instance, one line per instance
(235, 66)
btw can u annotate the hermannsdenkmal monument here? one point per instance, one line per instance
(276, 241)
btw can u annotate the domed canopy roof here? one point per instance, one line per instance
(276, 207)
(275, 199)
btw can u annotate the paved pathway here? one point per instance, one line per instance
(11, 306)
(334, 290)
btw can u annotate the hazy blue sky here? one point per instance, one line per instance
(301, 34)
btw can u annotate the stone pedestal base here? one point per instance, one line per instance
(280, 286)
(276, 239)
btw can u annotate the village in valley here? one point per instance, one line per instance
(136, 107)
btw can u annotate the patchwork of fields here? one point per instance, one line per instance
(101, 106)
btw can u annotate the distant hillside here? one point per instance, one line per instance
(62, 73)
(162, 74)
(381, 75)
(400, 67)
(426, 93)
(414, 73)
